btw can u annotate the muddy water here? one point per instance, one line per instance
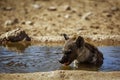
(24, 58)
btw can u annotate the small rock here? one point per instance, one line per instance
(58, 15)
(52, 8)
(7, 8)
(80, 28)
(86, 15)
(45, 14)
(14, 36)
(36, 6)
(94, 33)
(29, 23)
(67, 7)
(67, 16)
(11, 22)
(41, 0)
(23, 22)
(74, 10)
(8, 22)
(96, 27)
(16, 20)
(109, 15)
(114, 8)
(80, 14)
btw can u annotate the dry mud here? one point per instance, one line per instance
(62, 75)
(46, 20)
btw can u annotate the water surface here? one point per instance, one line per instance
(38, 58)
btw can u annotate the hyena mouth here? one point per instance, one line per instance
(66, 63)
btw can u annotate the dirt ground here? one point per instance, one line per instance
(46, 20)
(62, 75)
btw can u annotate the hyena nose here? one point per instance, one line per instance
(60, 61)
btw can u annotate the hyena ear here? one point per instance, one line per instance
(65, 36)
(80, 41)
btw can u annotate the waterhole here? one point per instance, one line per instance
(24, 58)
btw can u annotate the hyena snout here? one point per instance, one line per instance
(67, 58)
(64, 59)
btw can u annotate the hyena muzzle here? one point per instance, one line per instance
(79, 51)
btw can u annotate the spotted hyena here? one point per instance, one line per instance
(80, 52)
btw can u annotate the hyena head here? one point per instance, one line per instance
(71, 49)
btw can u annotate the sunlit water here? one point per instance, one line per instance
(45, 58)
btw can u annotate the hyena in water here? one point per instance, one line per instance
(80, 52)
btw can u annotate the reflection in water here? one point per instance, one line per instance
(17, 47)
(45, 58)
(87, 67)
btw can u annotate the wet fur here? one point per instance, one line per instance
(91, 55)
(81, 52)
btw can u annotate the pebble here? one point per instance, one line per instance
(11, 22)
(80, 28)
(8, 22)
(94, 33)
(15, 20)
(58, 15)
(95, 27)
(86, 15)
(15, 35)
(67, 16)
(109, 15)
(23, 22)
(52, 8)
(7, 8)
(74, 10)
(36, 6)
(29, 23)
(114, 8)
(67, 7)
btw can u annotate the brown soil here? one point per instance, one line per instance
(93, 19)
(96, 20)
(62, 75)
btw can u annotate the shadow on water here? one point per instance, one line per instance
(25, 57)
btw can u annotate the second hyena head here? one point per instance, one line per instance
(71, 49)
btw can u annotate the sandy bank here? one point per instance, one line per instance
(62, 75)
